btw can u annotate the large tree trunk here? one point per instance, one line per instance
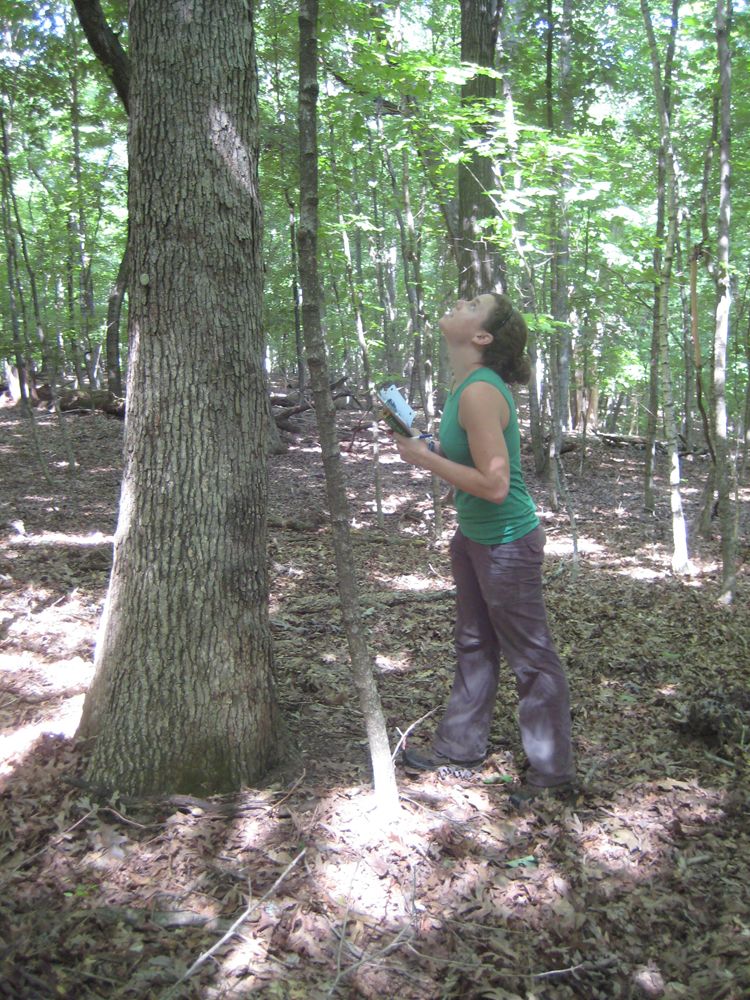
(182, 698)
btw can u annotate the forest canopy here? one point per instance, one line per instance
(571, 138)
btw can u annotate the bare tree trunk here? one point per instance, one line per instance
(688, 356)
(20, 350)
(106, 45)
(384, 260)
(481, 266)
(386, 790)
(680, 560)
(561, 231)
(560, 341)
(78, 224)
(528, 294)
(354, 285)
(299, 346)
(413, 274)
(662, 90)
(183, 695)
(724, 474)
(114, 311)
(746, 413)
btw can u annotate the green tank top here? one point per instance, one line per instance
(480, 520)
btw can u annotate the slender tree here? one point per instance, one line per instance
(680, 560)
(114, 311)
(724, 475)
(560, 342)
(386, 791)
(481, 267)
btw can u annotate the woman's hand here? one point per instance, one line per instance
(413, 450)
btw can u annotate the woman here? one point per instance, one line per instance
(496, 553)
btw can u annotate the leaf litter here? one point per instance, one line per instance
(636, 888)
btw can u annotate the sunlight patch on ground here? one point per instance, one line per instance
(38, 697)
(651, 562)
(58, 538)
(57, 676)
(60, 630)
(563, 546)
(639, 572)
(416, 581)
(630, 841)
(467, 853)
(16, 744)
(430, 580)
(600, 555)
(391, 503)
(358, 883)
(392, 664)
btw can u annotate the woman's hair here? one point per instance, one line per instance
(506, 354)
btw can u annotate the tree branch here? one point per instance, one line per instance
(106, 46)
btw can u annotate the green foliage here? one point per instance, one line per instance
(390, 117)
(67, 168)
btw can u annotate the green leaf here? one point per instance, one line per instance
(527, 862)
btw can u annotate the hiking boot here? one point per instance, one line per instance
(432, 760)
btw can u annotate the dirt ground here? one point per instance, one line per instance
(636, 887)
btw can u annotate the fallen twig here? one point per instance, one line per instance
(291, 791)
(403, 736)
(601, 963)
(250, 909)
(128, 821)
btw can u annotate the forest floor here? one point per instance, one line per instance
(637, 887)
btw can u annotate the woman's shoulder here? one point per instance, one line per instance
(491, 377)
(482, 392)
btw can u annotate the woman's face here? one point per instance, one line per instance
(467, 317)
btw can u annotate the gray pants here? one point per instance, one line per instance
(500, 609)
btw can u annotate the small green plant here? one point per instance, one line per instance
(80, 891)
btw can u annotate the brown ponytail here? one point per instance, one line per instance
(506, 353)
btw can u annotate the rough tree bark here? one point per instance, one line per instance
(183, 698)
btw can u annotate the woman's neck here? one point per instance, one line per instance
(463, 363)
